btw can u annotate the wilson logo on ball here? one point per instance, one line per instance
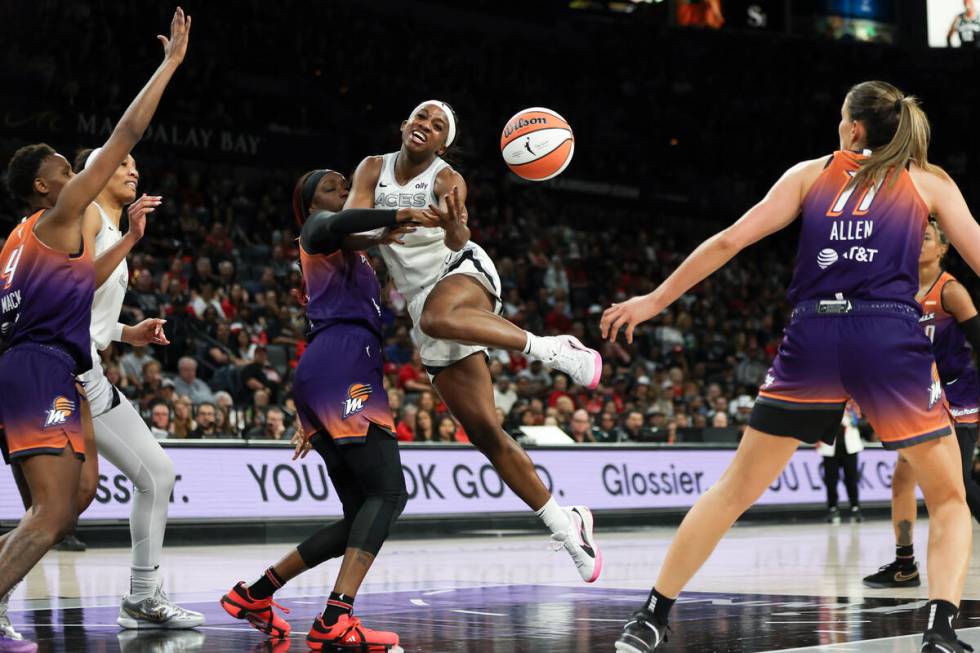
(537, 144)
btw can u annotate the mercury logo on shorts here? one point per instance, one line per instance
(935, 393)
(357, 395)
(61, 409)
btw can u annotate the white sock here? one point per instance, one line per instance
(143, 583)
(538, 346)
(554, 517)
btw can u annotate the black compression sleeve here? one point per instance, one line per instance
(324, 232)
(971, 329)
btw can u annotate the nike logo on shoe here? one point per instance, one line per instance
(901, 577)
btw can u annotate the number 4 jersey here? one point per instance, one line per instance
(45, 295)
(954, 357)
(862, 243)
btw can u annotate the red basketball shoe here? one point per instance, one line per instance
(240, 604)
(349, 633)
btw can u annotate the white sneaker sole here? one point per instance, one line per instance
(575, 343)
(588, 528)
(129, 623)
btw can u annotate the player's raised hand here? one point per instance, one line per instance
(627, 315)
(147, 332)
(138, 211)
(455, 211)
(175, 47)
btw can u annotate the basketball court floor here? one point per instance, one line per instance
(768, 587)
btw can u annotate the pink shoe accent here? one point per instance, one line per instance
(598, 567)
(598, 371)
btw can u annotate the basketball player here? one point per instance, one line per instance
(853, 334)
(950, 320)
(966, 26)
(47, 283)
(342, 404)
(453, 295)
(121, 435)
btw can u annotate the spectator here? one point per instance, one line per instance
(424, 427)
(222, 427)
(134, 361)
(183, 423)
(607, 431)
(187, 383)
(538, 377)
(427, 402)
(559, 389)
(274, 427)
(152, 377)
(447, 429)
(719, 420)
(633, 429)
(260, 375)
(405, 431)
(504, 396)
(167, 392)
(411, 376)
(160, 425)
(206, 418)
(581, 426)
(741, 409)
(234, 422)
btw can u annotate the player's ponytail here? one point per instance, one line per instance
(897, 130)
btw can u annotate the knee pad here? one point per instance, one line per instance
(373, 524)
(327, 543)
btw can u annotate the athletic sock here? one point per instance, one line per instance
(905, 555)
(941, 615)
(659, 605)
(337, 605)
(538, 347)
(554, 517)
(143, 582)
(266, 585)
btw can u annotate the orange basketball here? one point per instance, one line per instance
(537, 144)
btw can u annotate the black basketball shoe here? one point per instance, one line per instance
(936, 643)
(641, 634)
(894, 574)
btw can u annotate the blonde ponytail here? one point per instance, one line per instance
(897, 128)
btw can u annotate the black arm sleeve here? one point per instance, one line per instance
(971, 329)
(324, 232)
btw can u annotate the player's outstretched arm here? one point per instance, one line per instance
(952, 214)
(362, 185)
(777, 209)
(86, 185)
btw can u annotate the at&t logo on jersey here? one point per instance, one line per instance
(61, 409)
(357, 396)
(826, 258)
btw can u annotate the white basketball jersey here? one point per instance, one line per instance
(415, 265)
(110, 295)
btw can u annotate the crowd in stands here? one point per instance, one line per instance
(677, 130)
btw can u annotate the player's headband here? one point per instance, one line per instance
(450, 117)
(309, 186)
(91, 157)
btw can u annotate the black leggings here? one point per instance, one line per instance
(369, 482)
(831, 474)
(966, 437)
